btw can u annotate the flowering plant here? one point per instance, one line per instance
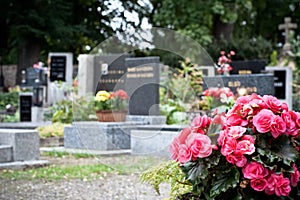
(253, 155)
(224, 62)
(111, 100)
(215, 98)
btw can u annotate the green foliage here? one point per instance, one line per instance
(175, 111)
(11, 98)
(245, 48)
(280, 152)
(53, 130)
(170, 173)
(67, 111)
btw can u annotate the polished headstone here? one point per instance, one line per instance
(142, 85)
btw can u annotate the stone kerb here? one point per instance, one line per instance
(25, 143)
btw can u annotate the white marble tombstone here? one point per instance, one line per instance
(60, 69)
(283, 80)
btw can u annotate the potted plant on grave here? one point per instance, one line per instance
(253, 155)
(214, 99)
(224, 61)
(111, 106)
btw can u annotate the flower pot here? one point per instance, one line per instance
(111, 115)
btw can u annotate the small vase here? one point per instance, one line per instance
(111, 115)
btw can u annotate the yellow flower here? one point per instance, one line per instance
(103, 93)
(100, 98)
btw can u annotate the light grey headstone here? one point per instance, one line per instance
(61, 67)
(283, 80)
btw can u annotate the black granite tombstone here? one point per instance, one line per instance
(112, 71)
(142, 85)
(58, 66)
(262, 84)
(34, 77)
(25, 101)
(247, 67)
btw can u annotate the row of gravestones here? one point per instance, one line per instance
(140, 77)
(44, 86)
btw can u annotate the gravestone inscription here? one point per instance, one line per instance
(262, 84)
(25, 101)
(58, 68)
(112, 71)
(142, 85)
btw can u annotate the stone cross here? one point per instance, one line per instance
(287, 26)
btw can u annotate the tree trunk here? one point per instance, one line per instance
(222, 29)
(28, 54)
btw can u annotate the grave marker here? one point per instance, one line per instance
(262, 84)
(25, 106)
(61, 67)
(142, 85)
(283, 79)
(103, 72)
(113, 70)
(247, 67)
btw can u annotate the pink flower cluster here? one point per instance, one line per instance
(216, 92)
(263, 115)
(235, 145)
(192, 142)
(224, 61)
(262, 179)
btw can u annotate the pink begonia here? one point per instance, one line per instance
(245, 145)
(263, 121)
(236, 131)
(174, 147)
(222, 136)
(295, 176)
(234, 120)
(255, 170)
(258, 184)
(184, 153)
(237, 159)
(199, 123)
(199, 145)
(228, 146)
(278, 126)
(273, 103)
(278, 184)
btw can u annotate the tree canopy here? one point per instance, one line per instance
(33, 28)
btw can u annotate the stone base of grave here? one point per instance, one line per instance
(24, 164)
(19, 149)
(99, 135)
(151, 119)
(52, 142)
(153, 139)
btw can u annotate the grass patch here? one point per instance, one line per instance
(124, 164)
(137, 165)
(61, 154)
(86, 172)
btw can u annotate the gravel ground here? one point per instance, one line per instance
(109, 187)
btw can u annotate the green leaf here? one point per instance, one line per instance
(281, 150)
(224, 181)
(194, 170)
